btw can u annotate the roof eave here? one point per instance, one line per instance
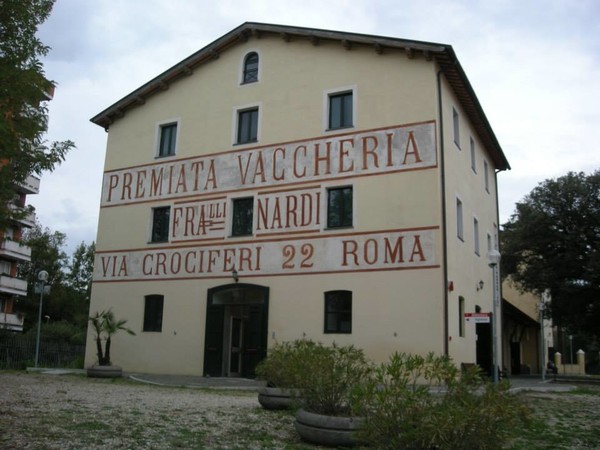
(443, 54)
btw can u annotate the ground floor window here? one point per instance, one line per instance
(338, 312)
(153, 312)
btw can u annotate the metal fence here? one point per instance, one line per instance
(18, 352)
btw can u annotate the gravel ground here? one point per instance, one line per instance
(75, 412)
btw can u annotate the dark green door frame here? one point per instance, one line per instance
(254, 299)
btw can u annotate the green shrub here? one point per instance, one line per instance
(329, 377)
(421, 402)
(284, 363)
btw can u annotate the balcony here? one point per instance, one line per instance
(15, 251)
(12, 322)
(31, 185)
(28, 220)
(13, 286)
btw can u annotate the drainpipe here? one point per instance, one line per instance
(444, 227)
(500, 323)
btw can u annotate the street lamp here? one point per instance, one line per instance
(42, 277)
(493, 261)
(541, 306)
(571, 348)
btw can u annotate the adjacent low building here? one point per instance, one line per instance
(13, 252)
(286, 183)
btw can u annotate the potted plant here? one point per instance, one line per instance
(105, 326)
(426, 402)
(281, 370)
(330, 375)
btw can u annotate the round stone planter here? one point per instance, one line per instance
(277, 398)
(104, 372)
(328, 430)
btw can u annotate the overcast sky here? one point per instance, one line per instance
(535, 66)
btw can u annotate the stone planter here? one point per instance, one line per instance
(328, 430)
(277, 398)
(104, 372)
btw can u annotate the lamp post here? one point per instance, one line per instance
(42, 277)
(541, 307)
(571, 348)
(493, 261)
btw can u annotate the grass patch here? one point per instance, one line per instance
(88, 426)
(565, 420)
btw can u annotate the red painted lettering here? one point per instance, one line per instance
(349, 248)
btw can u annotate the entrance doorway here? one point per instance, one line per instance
(484, 347)
(236, 329)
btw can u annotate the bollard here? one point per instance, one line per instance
(558, 362)
(581, 361)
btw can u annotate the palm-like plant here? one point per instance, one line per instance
(105, 325)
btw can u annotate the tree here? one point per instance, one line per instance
(46, 254)
(81, 269)
(552, 242)
(106, 325)
(23, 91)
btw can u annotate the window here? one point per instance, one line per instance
(168, 139)
(339, 207)
(250, 68)
(489, 242)
(153, 312)
(456, 128)
(340, 110)
(160, 224)
(243, 209)
(338, 312)
(476, 235)
(5, 267)
(247, 127)
(461, 316)
(473, 162)
(459, 219)
(6, 305)
(486, 176)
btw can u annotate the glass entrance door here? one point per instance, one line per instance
(235, 349)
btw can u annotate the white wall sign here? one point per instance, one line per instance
(398, 148)
(389, 250)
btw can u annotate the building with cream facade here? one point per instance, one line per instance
(286, 183)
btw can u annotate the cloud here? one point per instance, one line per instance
(534, 66)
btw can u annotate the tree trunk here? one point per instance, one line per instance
(99, 351)
(107, 352)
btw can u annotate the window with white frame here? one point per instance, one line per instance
(167, 139)
(476, 235)
(456, 127)
(486, 176)
(459, 219)
(247, 125)
(461, 316)
(250, 74)
(340, 110)
(473, 160)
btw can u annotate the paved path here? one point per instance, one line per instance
(198, 381)
(518, 384)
